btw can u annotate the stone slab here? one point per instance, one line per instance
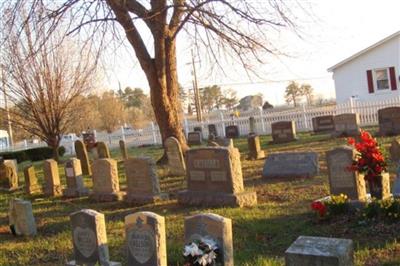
(200, 198)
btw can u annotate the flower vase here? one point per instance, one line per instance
(375, 187)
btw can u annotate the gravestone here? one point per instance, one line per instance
(124, 150)
(255, 152)
(214, 178)
(212, 144)
(31, 184)
(213, 227)
(198, 129)
(12, 163)
(386, 186)
(224, 142)
(194, 138)
(323, 124)
(341, 179)
(102, 150)
(82, 155)
(232, 132)
(8, 175)
(291, 164)
(212, 130)
(394, 151)
(176, 162)
(145, 239)
(73, 174)
(105, 180)
(318, 251)
(142, 181)
(346, 125)
(51, 178)
(252, 125)
(89, 239)
(389, 121)
(21, 220)
(283, 131)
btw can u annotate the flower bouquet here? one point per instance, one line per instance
(203, 252)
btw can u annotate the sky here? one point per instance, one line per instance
(330, 30)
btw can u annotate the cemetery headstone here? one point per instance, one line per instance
(396, 189)
(105, 181)
(145, 239)
(214, 177)
(102, 150)
(212, 144)
(232, 132)
(224, 142)
(52, 178)
(142, 181)
(176, 162)
(198, 129)
(346, 125)
(31, 183)
(73, 174)
(389, 121)
(21, 218)
(212, 130)
(284, 131)
(8, 175)
(252, 125)
(124, 150)
(89, 239)
(394, 151)
(82, 155)
(341, 180)
(194, 138)
(291, 164)
(316, 251)
(213, 227)
(323, 124)
(255, 152)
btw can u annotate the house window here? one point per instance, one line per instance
(382, 79)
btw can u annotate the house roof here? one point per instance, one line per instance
(332, 68)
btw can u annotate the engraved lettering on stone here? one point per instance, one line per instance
(197, 175)
(206, 163)
(218, 175)
(141, 244)
(85, 241)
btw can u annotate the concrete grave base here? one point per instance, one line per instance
(34, 189)
(144, 199)
(54, 191)
(202, 198)
(12, 189)
(257, 156)
(109, 263)
(74, 193)
(105, 197)
(281, 141)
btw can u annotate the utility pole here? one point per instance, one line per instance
(197, 102)
(10, 133)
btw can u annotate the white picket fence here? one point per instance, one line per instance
(302, 116)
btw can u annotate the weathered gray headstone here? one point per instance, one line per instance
(89, 239)
(176, 162)
(105, 181)
(213, 227)
(252, 125)
(212, 130)
(389, 121)
(284, 131)
(224, 142)
(124, 150)
(341, 179)
(194, 138)
(52, 178)
(232, 132)
(323, 124)
(346, 125)
(255, 151)
(198, 129)
(102, 150)
(142, 181)
(214, 178)
(395, 151)
(291, 164)
(318, 251)
(31, 184)
(73, 174)
(145, 239)
(8, 175)
(21, 218)
(82, 155)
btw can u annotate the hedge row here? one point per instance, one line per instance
(35, 154)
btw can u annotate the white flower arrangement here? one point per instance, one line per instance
(201, 252)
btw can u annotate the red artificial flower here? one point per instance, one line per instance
(319, 207)
(351, 141)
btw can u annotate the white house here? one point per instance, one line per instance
(3, 139)
(371, 74)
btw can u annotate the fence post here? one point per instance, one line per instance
(123, 133)
(351, 105)
(305, 117)
(221, 115)
(262, 121)
(186, 125)
(153, 130)
(25, 143)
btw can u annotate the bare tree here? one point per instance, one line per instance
(237, 29)
(43, 77)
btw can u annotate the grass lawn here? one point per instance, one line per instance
(261, 234)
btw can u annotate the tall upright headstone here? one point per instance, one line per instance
(52, 178)
(145, 239)
(142, 181)
(82, 155)
(255, 151)
(89, 238)
(105, 181)
(8, 175)
(389, 121)
(213, 227)
(341, 179)
(176, 162)
(346, 125)
(214, 177)
(194, 138)
(124, 150)
(232, 132)
(212, 130)
(75, 184)
(102, 150)
(252, 125)
(283, 131)
(31, 184)
(21, 219)
(323, 124)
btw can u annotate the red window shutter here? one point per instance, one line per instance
(393, 80)
(370, 81)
